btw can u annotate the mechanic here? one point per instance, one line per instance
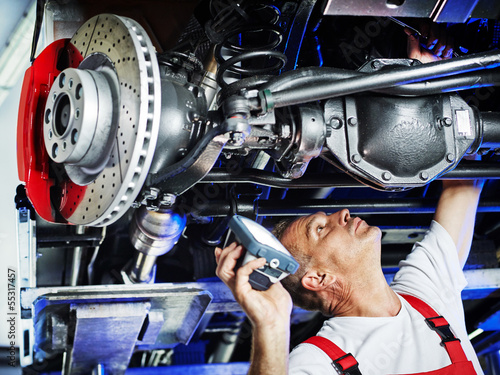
(386, 329)
(341, 276)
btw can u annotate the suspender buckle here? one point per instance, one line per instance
(347, 365)
(442, 328)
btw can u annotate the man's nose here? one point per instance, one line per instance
(340, 217)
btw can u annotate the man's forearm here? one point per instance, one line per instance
(270, 348)
(456, 212)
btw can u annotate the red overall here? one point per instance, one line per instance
(460, 365)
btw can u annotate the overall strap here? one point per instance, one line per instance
(441, 326)
(342, 361)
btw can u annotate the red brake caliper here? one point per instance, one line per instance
(33, 162)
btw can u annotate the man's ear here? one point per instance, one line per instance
(317, 280)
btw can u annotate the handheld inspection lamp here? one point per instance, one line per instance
(260, 243)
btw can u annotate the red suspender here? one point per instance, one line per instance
(348, 365)
(344, 362)
(439, 324)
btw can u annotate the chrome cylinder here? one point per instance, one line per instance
(153, 233)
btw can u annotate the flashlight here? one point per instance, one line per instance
(260, 243)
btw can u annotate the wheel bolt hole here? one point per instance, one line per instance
(48, 116)
(55, 150)
(74, 136)
(78, 91)
(62, 80)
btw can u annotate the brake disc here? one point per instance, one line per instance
(101, 121)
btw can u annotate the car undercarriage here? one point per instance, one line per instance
(144, 126)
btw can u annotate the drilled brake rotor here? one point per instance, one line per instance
(96, 196)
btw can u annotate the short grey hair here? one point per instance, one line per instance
(301, 296)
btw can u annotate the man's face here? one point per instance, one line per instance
(337, 242)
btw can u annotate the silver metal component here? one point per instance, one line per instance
(168, 200)
(153, 233)
(77, 259)
(408, 8)
(225, 348)
(99, 370)
(156, 232)
(446, 121)
(353, 121)
(150, 195)
(183, 108)
(309, 139)
(142, 270)
(208, 82)
(124, 318)
(118, 43)
(335, 122)
(424, 176)
(396, 153)
(261, 160)
(237, 139)
(90, 267)
(26, 247)
(80, 121)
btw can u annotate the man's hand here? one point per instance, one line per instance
(262, 307)
(269, 311)
(433, 45)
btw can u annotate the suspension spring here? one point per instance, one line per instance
(248, 47)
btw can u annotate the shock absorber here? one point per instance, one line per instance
(248, 39)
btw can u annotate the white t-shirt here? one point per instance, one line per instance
(402, 344)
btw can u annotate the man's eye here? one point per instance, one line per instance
(319, 229)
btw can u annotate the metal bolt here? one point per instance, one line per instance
(194, 116)
(356, 158)
(386, 176)
(149, 195)
(446, 121)
(286, 131)
(376, 65)
(335, 122)
(353, 121)
(237, 139)
(152, 207)
(424, 176)
(450, 158)
(297, 170)
(167, 199)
